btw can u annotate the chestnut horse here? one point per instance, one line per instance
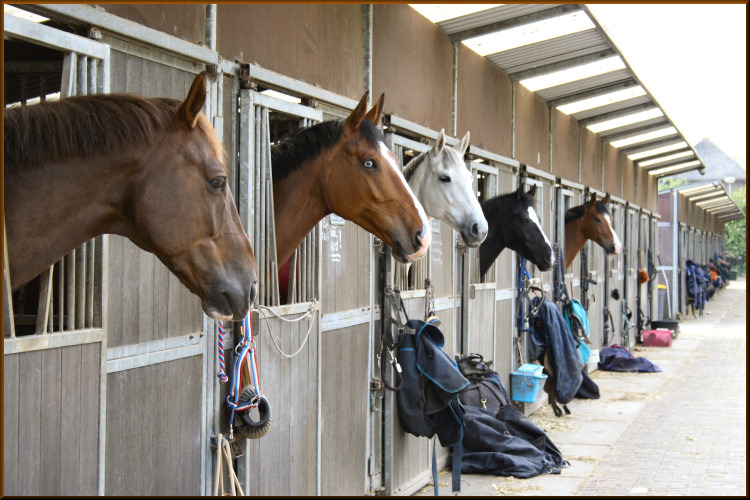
(590, 221)
(344, 167)
(149, 169)
(514, 223)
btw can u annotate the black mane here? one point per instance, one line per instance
(413, 165)
(298, 147)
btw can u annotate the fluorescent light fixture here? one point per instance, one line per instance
(672, 168)
(442, 12)
(655, 134)
(23, 14)
(527, 34)
(665, 158)
(659, 150)
(602, 100)
(283, 97)
(625, 120)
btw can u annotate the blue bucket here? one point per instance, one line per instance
(527, 384)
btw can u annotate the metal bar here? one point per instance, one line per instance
(70, 264)
(513, 22)
(92, 75)
(8, 322)
(657, 143)
(80, 284)
(62, 339)
(45, 294)
(663, 123)
(562, 65)
(68, 81)
(669, 163)
(40, 34)
(91, 264)
(619, 113)
(82, 75)
(606, 89)
(60, 294)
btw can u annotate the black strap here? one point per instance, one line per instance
(391, 342)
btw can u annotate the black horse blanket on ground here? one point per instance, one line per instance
(550, 336)
(507, 444)
(618, 358)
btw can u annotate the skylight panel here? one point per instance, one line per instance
(527, 34)
(655, 134)
(672, 168)
(659, 150)
(23, 14)
(282, 96)
(625, 120)
(665, 158)
(442, 12)
(572, 74)
(602, 100)
(697, 189)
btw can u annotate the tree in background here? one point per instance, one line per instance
(666, 183)
(736, 235)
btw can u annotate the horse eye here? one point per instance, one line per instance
(597, 219)
(444, 178)
(218, 183)
(369, 163)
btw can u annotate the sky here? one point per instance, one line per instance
(693, 59)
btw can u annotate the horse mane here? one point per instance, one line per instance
(577, 212)
(297, 147)
(413, 165)
(90, 125)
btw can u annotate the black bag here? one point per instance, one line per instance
(485, 390)
(588, 389)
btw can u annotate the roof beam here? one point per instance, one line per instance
(657, 166)
(659, 155)
(606, 89)
(618, 114)
(636, 131)
(656, 143)
(562, 65)
(513, 22)
(700, 168)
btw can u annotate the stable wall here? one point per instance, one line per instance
(591, 159)
(612, 170)
(565, 135)
(531, 120)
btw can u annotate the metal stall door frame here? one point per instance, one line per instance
(598, 291)
(653, 242)
(497, 175)
(404, 463)
(630, 279)
(616, 269)
(569, 195)
(77, 320)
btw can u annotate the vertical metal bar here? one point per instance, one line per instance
(42, 88)
(100, 259)
(261, 205)
(92, 75)
(60, 294)
(82, 75)
(291, 294)
(367, 42)
(45, 293)
(454, 92)
(8, 321)
(24, 94)
(90, 281)
(80, 284)
(70, 274)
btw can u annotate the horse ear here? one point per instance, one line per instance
(193, 103)
(352, 122)
(464, 144)
(374, 114)
(532, 191)
(592, 200)
(440, 142)
(606, 199)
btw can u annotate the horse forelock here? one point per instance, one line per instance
(84, 126)
(577, 212)
(209, 133)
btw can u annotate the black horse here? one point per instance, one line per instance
(513, 223)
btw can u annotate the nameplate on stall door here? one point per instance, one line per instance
(336, 220)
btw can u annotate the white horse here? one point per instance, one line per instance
(443, 185)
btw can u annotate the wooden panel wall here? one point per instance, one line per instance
(565, 136)
(51, 421)
(532, 129)
(612, 171)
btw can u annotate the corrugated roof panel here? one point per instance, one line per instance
(583, 85)
(615, 106)
(604, 134)
(549, 51)
(490, 16)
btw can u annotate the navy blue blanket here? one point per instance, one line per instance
(507, 444)
(618, 358)
(550, 333)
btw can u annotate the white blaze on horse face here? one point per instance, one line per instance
(535, 219)
(618, 244)
(426, 233)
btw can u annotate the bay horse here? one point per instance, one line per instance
(589, 221)
(513, 223)
(443, 184)
(344, 167)
(149, 169)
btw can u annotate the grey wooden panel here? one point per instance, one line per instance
(51, 439)
(153, 415)
(283, 462)
(345, 401)
(146, 296)
(115, 291)
(441, 268)
(503, 356)
(11, 422)
(481, 323)
(50, 430)
(344, 277)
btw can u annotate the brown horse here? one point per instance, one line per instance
(344, 167)
(149, 169)
(590, 221)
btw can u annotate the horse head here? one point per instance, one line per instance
(597, 225)
(514, 223)
(185, 214)
(443, 185)
(377, 196)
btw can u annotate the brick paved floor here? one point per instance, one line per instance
(678, 432)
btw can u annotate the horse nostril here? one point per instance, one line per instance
(253, 291)
(475, 229)
(418, 240)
